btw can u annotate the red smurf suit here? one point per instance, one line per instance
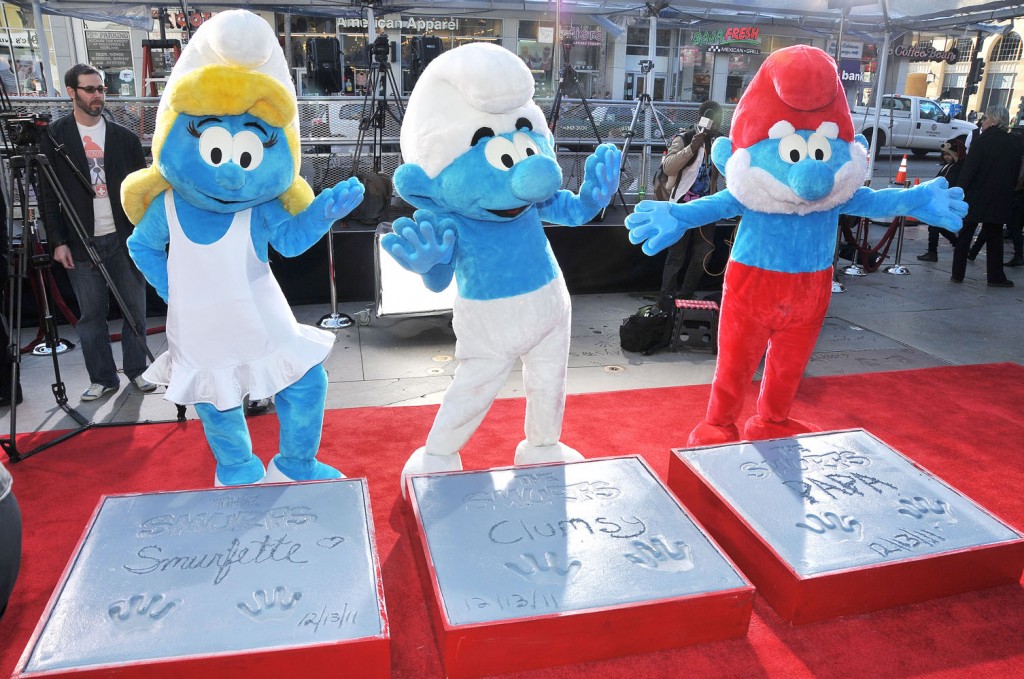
(793, 165)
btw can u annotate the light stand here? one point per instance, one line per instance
(31, 168)
(568, 75)
(646, 104)
(373, 116)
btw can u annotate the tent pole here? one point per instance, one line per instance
(44, 49)
(883, 65)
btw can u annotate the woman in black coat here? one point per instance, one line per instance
(989, 178)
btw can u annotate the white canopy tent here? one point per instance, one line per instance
(880, 20)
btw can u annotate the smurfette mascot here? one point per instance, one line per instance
(481, 168)
(224, 185)
(793, 165)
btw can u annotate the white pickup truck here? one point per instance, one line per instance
(908, 122)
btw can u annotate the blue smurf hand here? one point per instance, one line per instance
(653, 225)
(421, 243)
(940, 205)
(601, 175)
(337, 201)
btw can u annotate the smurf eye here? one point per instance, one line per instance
(818, 147)
(525, 145)
(792, 148)
(247, 150)
(215, 146)
(501, 153)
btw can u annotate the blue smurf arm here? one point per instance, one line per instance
(659, 224)
(932, 202)
(425, 245)
(148, 246)
(293, 235)
(600, 181)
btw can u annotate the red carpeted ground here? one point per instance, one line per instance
(962, 423)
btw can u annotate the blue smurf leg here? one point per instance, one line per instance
(300, 411)
(229, 439)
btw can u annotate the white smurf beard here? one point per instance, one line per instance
(757, 189)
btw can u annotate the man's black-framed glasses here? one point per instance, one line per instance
(92, 89)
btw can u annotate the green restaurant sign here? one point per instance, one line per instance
(740, 39)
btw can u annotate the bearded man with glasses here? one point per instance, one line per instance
(104, 153)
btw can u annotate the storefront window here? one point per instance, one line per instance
(998, 88)
(423, 38)
(110, 51)
(694, 82)
(638, 38)
(535, 48)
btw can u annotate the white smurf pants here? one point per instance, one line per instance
(490, 336)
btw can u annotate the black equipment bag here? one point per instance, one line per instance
(646, 331)
(376, 198)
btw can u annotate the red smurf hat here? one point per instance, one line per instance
(798, 84)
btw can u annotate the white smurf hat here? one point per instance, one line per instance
(472, 86)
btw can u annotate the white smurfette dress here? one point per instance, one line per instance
(230, 331)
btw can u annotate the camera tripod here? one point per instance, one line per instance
(375, 110)
(646, 104)
(31, 168)
(567, 75)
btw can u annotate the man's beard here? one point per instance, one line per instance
(93, 111)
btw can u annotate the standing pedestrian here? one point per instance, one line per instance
(104, 153)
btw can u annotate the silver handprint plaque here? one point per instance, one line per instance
(837, 523)
(545, 555)
(289, 571)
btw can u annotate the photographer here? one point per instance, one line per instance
(105, 153)
(690, 174)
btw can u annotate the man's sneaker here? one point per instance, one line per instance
(95, 391)
(142, 384)
(929, 257)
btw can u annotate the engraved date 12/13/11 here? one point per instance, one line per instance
(510, 602)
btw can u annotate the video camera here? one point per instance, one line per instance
(25, 129)
(381, 49)
(646, 65)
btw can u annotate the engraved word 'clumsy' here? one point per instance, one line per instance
(510, 532)
(279, 550)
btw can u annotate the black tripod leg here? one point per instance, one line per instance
(53, 184)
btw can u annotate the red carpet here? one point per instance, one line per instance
(962, 423)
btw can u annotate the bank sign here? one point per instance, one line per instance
(735, 39)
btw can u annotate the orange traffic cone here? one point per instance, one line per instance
(901, 174)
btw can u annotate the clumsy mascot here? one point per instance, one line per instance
(223, 186)
(793, 165)
(481, 168)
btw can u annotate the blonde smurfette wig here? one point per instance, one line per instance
(226, 90)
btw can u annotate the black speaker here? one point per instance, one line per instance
(426, 48)
(323, 64)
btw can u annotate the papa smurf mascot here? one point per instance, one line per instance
(793, 165)
(481, 169)
(224, 185)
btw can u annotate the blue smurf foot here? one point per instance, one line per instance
(229, 440)
(300, 410)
